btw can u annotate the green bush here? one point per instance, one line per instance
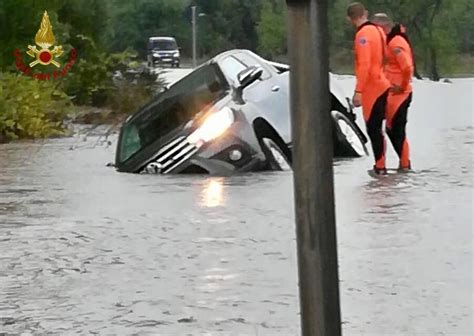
(133, 88)
(115, 82)
(30, 108)
(90, 82)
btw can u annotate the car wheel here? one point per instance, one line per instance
(349, 142)
(276, 159)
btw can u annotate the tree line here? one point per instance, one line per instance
(441, 30)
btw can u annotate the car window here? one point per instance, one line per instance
(250, 61)
(163, 44)
(231, 67)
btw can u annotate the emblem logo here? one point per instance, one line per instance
(45, 39)
(153, 168)
(44, 54)
(362, 40)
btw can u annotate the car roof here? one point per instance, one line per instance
(161, 38)
(225, 54)
(231, 52)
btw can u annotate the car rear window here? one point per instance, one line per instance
(250, 61)
(231, 68)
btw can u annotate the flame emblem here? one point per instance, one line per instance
(45, 39)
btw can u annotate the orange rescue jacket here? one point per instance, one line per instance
(400, 64)
(369, 49)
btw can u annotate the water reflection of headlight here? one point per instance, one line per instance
(213, 193)
(214, 126)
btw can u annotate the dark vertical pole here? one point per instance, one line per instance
(312, 166)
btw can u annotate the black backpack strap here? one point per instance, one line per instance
(368, 23)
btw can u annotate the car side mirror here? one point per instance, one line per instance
(246, 77)
(249, 76)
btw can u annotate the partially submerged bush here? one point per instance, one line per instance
(100, 79)
(30, 108)
(133, 88)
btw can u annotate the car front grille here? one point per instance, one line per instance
(164, 56)
(171, 156)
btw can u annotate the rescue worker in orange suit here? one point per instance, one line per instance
(399, 71)
(372, 86)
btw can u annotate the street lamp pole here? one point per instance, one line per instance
(194, 34)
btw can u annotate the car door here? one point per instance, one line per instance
(269, 95)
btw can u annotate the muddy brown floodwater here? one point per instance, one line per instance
(87, 250)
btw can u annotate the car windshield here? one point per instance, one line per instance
(173, 108)
(164, 45)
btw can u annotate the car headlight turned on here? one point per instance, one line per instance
(214, 126)
(176, 54)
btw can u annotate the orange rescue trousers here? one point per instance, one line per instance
(393, 108)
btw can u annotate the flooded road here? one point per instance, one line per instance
(87, 250)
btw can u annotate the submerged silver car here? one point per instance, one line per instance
(230, 115)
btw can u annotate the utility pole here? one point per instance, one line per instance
(313, 168)
(194, 34)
